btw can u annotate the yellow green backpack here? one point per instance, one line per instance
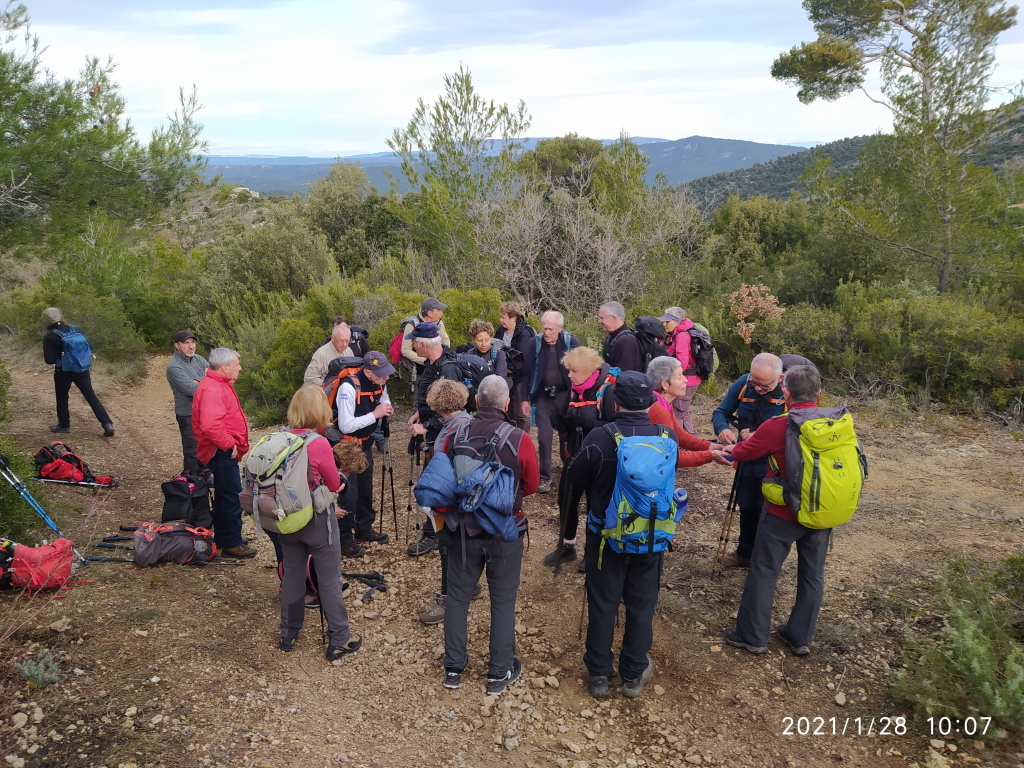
(825, 468)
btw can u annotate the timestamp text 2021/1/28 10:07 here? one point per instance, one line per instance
(882, 726)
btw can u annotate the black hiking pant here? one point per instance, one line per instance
(62, 381)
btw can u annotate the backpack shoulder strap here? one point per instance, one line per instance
(613, 429)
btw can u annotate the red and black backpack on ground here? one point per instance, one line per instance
(57, 461)
(178, 542)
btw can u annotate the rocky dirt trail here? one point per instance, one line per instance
(178, 666)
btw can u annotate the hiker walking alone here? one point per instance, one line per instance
(222, 438)
(68, 351)
(184, 371)
(316, 542)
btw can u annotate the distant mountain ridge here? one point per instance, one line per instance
(680, 161)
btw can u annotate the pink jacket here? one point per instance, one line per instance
(678, 345)
(217, 418)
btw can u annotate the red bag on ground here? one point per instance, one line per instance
(45, 567)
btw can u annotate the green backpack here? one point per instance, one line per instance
(279, 485)
(825, 468)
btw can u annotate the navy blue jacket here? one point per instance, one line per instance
(563, 344)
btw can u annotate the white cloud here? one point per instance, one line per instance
(322, 78)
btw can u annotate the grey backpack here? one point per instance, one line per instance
(279, 484)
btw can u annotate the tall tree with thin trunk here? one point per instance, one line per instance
(915, 194)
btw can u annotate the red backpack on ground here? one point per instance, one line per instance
(45, 567)
(57, 461)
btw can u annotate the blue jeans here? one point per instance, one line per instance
(227, 512)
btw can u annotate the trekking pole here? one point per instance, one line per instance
(10, 477)
(730, 513)
(391, 477)
(414, 455)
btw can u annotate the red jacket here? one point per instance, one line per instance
(770, 438)
(217, 418)
(693, 451)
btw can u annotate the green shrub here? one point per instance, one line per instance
(466, 305)
(40, 673)
(17, 519)
(5, 388)
(816, 333)
(273, 381)
(977, 665)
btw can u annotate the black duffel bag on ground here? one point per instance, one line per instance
(187, 497)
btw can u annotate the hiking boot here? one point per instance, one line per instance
(60, 429)
(241, 551)
(313, 603)
(452, 680)
(478, 591)
(581, 566)
(732, 638)
(599, 687)
(422, 546)
(497, 685)
(798, 650)
(733, 560)
(371, 536)
(335, 652)
(435, 613)
(108, 429)
(632, 688)
(544, 487)
(286, 644)
(351, 549)
(564, 555)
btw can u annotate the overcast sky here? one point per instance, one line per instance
(335, 77)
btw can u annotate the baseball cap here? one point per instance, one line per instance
(633, 391)
(424, 331)
(378, 363)
(673, 313)
(183, 336)
(429, 304)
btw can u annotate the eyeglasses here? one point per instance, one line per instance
(762, 387)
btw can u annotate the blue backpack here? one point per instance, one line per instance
(642, 514)
(77, 357)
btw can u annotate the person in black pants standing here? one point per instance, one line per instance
(53, 354)
(549, 388)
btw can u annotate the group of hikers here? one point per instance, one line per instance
(622, 417)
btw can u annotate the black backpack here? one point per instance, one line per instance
(651, 335)
(472, 371)
(704, 356)
(187, 498)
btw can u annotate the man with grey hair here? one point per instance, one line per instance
(68, 351)
(184, 371)
(222, 438)
(472, 551)
(339, 345)
(753, 399)
(549, 388)
(778, 532)
(621, 347)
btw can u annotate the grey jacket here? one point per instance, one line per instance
(183, 374)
